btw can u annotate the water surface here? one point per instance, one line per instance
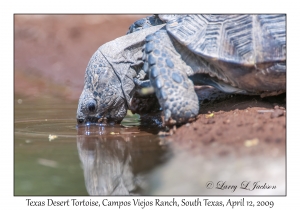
(54, 157)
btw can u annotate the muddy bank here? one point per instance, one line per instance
(236, 142)
(241, 125)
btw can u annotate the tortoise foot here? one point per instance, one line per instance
(167, 73)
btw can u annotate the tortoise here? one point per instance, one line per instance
(240, 54)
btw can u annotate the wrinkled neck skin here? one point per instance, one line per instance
(109, 77)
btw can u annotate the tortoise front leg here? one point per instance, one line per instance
(168, 76)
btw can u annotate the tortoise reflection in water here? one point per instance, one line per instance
(113, 158)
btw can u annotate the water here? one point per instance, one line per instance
(44, 167)
(54, 157)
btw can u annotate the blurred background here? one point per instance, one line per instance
(52, 51)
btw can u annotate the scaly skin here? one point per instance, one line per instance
(102, 97)
(168, 75)
(109, 87)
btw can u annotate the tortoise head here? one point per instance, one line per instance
(102, 99)
(109, 85)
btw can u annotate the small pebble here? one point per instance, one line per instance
(227, 121)
(277, 113)
(174, 128)
(209, 115)
(251, 142)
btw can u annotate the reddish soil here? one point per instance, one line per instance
(52, 52)
(243, 124)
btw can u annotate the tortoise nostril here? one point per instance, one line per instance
(79, 121)
(91, 105)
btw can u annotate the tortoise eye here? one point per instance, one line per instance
(91, 105)
(79, 121)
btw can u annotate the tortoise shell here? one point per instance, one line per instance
(246, 51)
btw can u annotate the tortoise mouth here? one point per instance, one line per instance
(97, 120)
(87, 120)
